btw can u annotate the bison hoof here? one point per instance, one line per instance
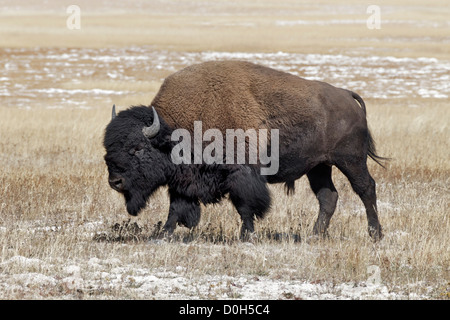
(247, 236)
(316, 237)
(320, 233)
(161, 238)
(375, 233)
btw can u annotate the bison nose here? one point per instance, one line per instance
(116, 183)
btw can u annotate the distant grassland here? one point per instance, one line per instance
(57, 210)
(410, 28)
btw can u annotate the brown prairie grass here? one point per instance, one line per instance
(56, 205)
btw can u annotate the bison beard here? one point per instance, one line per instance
(135, 201)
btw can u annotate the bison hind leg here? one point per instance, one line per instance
(364, 185)
(251, 197)
(323, 187)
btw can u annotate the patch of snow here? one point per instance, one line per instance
(96, 275)
(34, 279)
(20, 260)
(73, 270)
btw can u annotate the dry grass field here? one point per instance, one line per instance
(65, 234)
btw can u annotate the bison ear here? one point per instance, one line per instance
(113, 113)
(150, 132)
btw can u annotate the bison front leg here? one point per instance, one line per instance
(251, 197)
(182, 210)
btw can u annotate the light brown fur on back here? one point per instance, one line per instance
(238, 94)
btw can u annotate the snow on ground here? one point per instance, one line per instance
(96, 278)
(383, 77)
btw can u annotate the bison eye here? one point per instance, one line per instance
(137, 150)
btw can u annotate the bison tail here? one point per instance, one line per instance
(360, 101)
(372, 153)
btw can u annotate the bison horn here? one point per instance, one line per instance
(150, 132)
(113, 114)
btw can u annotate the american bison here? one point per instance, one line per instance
(319, 126)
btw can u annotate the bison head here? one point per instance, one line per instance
(137, 147)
